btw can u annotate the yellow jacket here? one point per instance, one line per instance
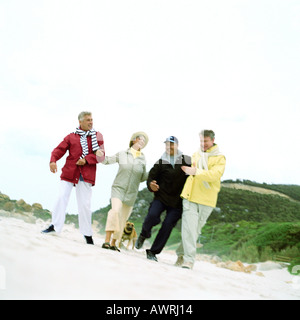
(204, 187)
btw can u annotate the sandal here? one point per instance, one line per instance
(114, 248)
(106, 245)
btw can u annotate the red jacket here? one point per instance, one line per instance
(71, 172)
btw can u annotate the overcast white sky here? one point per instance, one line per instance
(167, 67)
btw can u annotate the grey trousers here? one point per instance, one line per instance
(194, 218)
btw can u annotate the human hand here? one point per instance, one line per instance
(154, 186)
(53, 167)
(81, 162)
(99, 153)
(189, 171)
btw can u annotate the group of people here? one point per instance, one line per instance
(185, 187)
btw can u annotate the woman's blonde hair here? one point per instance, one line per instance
(132, 141)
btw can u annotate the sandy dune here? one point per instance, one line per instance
(37, 266)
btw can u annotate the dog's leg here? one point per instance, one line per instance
(133, 243)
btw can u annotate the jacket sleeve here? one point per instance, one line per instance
(145, 174)
(154, 174)
(213, 174)
(60, 150)
(187, 161)
(112, 159)
(92, 158)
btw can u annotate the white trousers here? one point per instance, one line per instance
(84, 196)
(194, 218)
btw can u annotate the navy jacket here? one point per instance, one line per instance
(170, 179)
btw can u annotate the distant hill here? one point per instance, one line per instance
(292, 191)
(256, 203)
(237, 201)
(252, 222)
(21, 209)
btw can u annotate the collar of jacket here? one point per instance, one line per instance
(213, 148)
(166, 157)
(128, 151)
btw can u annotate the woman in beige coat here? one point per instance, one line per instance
(132, 171)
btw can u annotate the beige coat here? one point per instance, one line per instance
(132, 171)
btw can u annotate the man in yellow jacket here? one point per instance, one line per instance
(200, 195)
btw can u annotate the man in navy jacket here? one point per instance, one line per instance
(166, 179)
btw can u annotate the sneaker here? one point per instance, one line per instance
(140, 242)
(49, 230)
(89, 240)
(187, 265)
(151, 256)
(179, 261)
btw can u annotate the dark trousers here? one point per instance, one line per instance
(153, 219)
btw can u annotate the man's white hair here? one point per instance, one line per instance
(83, 114)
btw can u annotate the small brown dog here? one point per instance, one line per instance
(129, 234)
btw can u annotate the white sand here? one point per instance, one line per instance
(37, 266)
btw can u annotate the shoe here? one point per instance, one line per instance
(106, 245)
(179, 261)
(49, 230)
(140, 242)
(151, 256)
(89, 240)
(187, 265)
(114, 248)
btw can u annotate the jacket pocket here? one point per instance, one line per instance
(89, 172)
(68, 172)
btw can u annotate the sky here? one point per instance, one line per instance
(166, 67)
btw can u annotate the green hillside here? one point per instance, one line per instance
(291, 190)
(235, 205)
(247, 226)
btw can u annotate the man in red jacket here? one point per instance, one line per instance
(86, 149)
